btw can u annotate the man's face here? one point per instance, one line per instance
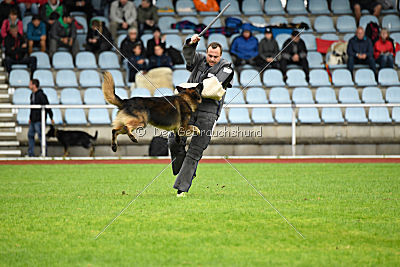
(145, 4)
(32, 87)
(246, 34)
(360, 33)
(268, 35)
(213, 56)
(158, 50)
(36, 22)
(296, 38)
(132, 35)
(123, 2)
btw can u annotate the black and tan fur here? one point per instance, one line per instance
(171, 113)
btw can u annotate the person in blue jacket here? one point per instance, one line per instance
(36, 34)
(360, 51)
(244, 48)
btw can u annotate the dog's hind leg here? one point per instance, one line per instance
(115, 133)
(91, 153)
(130, 135)
(66, 151)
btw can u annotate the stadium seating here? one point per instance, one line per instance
(324, 24)
(250, 78)
(309, 40)
(355, 115)
(208, 19)
(66, 78)
(23, 116)
(235, 80)
(121, 92)
(233, 10)
(303, 19)
(330, 36)
(379, 115)
(325, 95)
(273, 7)
(281, 39)
(19, 78)
(85, 60)
(319, 78)
(62, 60)
(25, 22)
(262, 115)
(81, 21)
(397, 60)
(296, 7)
(22, 96)
(118, 79)
(43, 61)
(220, 38)
(318, 6)
(372, 95)
(396, 114)
(174, 40)
(165, 25)
(57, 117)
(332, 115)
(251, 7)
(309, 115)
(256, 95)
(346, 24)
(222, 117)
(276, 20)
(89, 78)
(391, 22)
(192, 19)
(99, 116)
(256, 20)
(315, 60)
(165, 7)
(284, 115)
(45, 78)
(140, 92)
(234, 95)
(239, 116)
(145, 37)
(180, 76)
(388, 77)
(340, 7)
(302, 95)
(296, 77)
(365, 19)
(94, 96)
(273, 77)
(349, 95)
(51, 94)
(101, 18)
(365, 77)
(75, 116)
(163, 92)
(393, 95)
(342, 77)
(185, 7)
(70, 96)
(108, 60)
(279, 95)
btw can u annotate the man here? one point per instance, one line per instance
(16, 49)
(35, 118)
(295, 53)
(360, 51)
(202, 67)
(36, 34)
(244, 48)
(122, 16)
(147, 16)
(159, 59)
(84, 6)
(267, 50)
(63, 33)
(130, 42)
(384, 50)
(371, 5)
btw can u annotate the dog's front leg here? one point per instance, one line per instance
(130, 134)
(91, 153)
(66, 151)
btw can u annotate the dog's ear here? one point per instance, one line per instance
(180, 89)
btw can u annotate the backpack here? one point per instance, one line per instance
(372, 31)
(175, 56)
(158, 146)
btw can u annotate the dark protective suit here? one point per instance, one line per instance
(204, 118)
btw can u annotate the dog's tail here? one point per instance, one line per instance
(109, 90)
(95, 136)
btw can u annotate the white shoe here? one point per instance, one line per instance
(182, 194)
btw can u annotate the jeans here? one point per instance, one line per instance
(34, 9)
(34, 127)
(385, 61)
(354, 60)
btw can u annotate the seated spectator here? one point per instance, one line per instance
(5, 8)
(63, 33)
(36, 34)
(295, 53)
(95, 42)
(159, 59)
(50, 7)
(371, 5)
(16, 51)
(384, 50)
(244, 48)
(268, 49)
(12, 21)
(122, 16)
(129, 43)
(360, 51)
(147, 16)
(157, 39)
(84, 6)
(30, 5)
(138, 61)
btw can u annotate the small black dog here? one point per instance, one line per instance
(73, 138)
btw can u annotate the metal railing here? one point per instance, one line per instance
(293, 106)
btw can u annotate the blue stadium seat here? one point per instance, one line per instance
(281, 39)
(57, 117)
(45, 78)
(365, 19)
(251, 7)
(372, 95)
(75, 116)
(276, 20)
(71, 96)
(165, 25)
(163, 92)
(279, 95)
(85, 60)
(82, 21)
(66, 78)
(25, 22)
(340, 7)
(235, 81)
(233, 10)
(175, 41)
(180, 76)
(391, 22)
(256, 95)
(325, 95)
(94, 96)
(346, 23)
(330, 36)
(315, 60)
(62, 60)
(309, 115)
(296, 7)
(220, 38)
(250, 78)
(397, 59)
(23, 116)
(309, 40)
(273, 7)
(347, 37)
(222, 117)
(108, 60)
(118, 79)
(99, 116)
(296, 77)
(318, 7)
(302, 95)
(225, 56)
(349, 95)
(396, 114)
(121, 92)
(273, 77)
(396, 37)
(365, 77)
(120, 39)
(140, 92)
(19, 78)
(256, 20)
(208, 19)
(393, 95)
(303, 19)
(319, 78)
(89, 78)
(342, 77)
(332, 115)
(192, 19)
(43, 61)
(355, 115)
(324, 24)
(239, 116)
(283, 115)
(388, 77)
(165, 7)
(185, 7)
(262, 115)
(234, 95)
(52, 96)
(379, 115)
(145, 37)
(22, 96)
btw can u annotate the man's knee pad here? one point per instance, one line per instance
(195, 152)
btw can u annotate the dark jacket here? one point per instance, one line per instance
(357, 46)
(150, 46)
(5, 10)
(144, 14)
(159, 61)
(127, 47)
(39, 98)
(102, 43)
(294, 48)
(133, 69)
(13, 47)
(244, 48)
(58, 31)
(268, 48)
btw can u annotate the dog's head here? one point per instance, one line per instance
(193, 92)
(52, 132)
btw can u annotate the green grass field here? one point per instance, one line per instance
(349, 214)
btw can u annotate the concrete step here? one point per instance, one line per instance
(3, 86)
(8, 134)
(6, 116)
(7, 124)
(9, 143)
(3, 77)
(4, 98)
(10, 153)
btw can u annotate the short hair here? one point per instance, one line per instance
(35, 82)
(66, 15)
(35, 17)
(13, 11)
(215, 45)
(131, 29)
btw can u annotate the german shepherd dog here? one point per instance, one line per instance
(73, 138)
(171, 113)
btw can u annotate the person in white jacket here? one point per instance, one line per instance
(122, 16)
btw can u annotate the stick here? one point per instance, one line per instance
(214, 20)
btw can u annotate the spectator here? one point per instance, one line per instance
(84, 6)
(95, 42)
(38, 97)
(50, 7)
(371, 5)
(53, 18)
(384, 50)
(295, 53)
(30, 5)
(16, 51)
(63, 33)
(147, 16)
(157, 39)
(5, 8)
(244, 48)
(36, 34)
(122, 16)
(159, 59)
(268, 49)
(138, 61)
(129, 43)
(12, 21)
(360, 51)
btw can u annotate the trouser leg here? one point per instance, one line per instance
(31, 139)
(38, 130)
(178, 152)
(350, 64)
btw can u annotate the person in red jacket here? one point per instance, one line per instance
(384, 51)
(12, 21)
